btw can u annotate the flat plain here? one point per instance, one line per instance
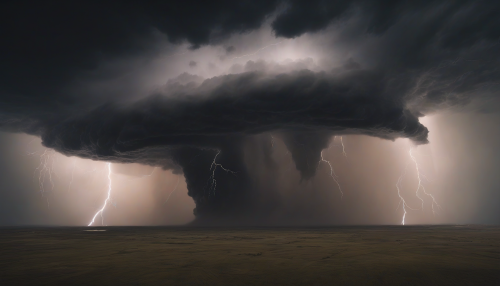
(356, 255)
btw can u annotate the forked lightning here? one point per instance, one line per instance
(108, 198)
(213, 168)
(420, 186)
(332, 174)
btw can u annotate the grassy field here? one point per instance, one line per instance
(371, 255)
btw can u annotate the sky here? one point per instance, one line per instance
(249, 112)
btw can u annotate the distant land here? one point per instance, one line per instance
(357, 255)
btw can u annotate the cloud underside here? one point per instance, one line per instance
(185, 130)
(233, 106)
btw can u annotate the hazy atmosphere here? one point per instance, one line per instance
(250, 113)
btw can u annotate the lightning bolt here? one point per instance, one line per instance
(173, 191)
(254, 53)
(332, 173)
(420, 186)
(343, 147)
(213, 168)
(401, 199)
(45, 168)
(107, 199)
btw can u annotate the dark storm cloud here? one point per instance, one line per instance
(411, 58)
(185, 128)
(446, 50)
(235, 105)
(461, 22)
(46, 42)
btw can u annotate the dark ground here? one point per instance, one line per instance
(372, 255)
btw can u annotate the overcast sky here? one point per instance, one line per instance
(249, 112)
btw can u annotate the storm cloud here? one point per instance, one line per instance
(399, 61)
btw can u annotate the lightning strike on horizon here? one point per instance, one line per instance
(332, 173)
(420, 186)
(401, 199)
(256, 52)
(213, 168)
(107, 198)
